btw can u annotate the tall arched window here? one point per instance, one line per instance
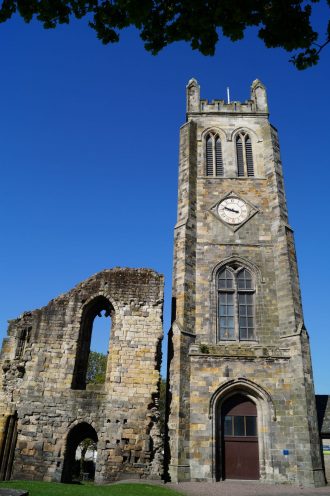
(244, 155)
(98, 307)
(213, 153)
(236, 291)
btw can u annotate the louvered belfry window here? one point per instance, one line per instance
(235, 304)
(248, 156)
(240, 156)
(214, 162)
(218, 157)
(209, 155)
(244, 155)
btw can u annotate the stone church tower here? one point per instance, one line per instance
(241, 395)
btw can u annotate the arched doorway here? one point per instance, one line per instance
(77, 434)
(238, 450)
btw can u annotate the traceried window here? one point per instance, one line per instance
(236, 294)
(213, 154)
(244, 155)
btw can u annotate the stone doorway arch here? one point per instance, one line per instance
(238, 438)
(266, 415)
(76, 435)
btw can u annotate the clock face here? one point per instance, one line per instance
(233, 210)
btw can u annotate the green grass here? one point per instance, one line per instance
(57, 489)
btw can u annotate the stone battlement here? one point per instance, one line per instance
(256, 104)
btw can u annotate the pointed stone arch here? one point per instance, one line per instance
(256, 137)
(215, 130)
(239, 260)
(266, 415)
(77, 434)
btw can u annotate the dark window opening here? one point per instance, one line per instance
(23, 341)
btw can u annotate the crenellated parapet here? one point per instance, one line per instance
(256, 104)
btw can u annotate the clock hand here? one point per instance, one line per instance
(232, 210)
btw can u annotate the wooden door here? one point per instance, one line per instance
(240, 452)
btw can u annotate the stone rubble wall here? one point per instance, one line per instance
(37, 379)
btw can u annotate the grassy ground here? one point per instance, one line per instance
(87, 489)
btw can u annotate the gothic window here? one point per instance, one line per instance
(244, 155)
(236, 292)
(213, 153)
(98, 307)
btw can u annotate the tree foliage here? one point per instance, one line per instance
(85, 445)
(280, 23)
(96, 368)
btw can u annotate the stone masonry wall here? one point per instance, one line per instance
(38, 364)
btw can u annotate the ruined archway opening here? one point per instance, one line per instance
(80, 454)
(85, 460)
(93, 343)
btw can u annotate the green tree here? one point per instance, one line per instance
(85, 445)
(96, 369)
(280, 23)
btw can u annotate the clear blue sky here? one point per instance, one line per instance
(89, 148)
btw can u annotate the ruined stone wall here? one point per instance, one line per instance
(41, 369)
